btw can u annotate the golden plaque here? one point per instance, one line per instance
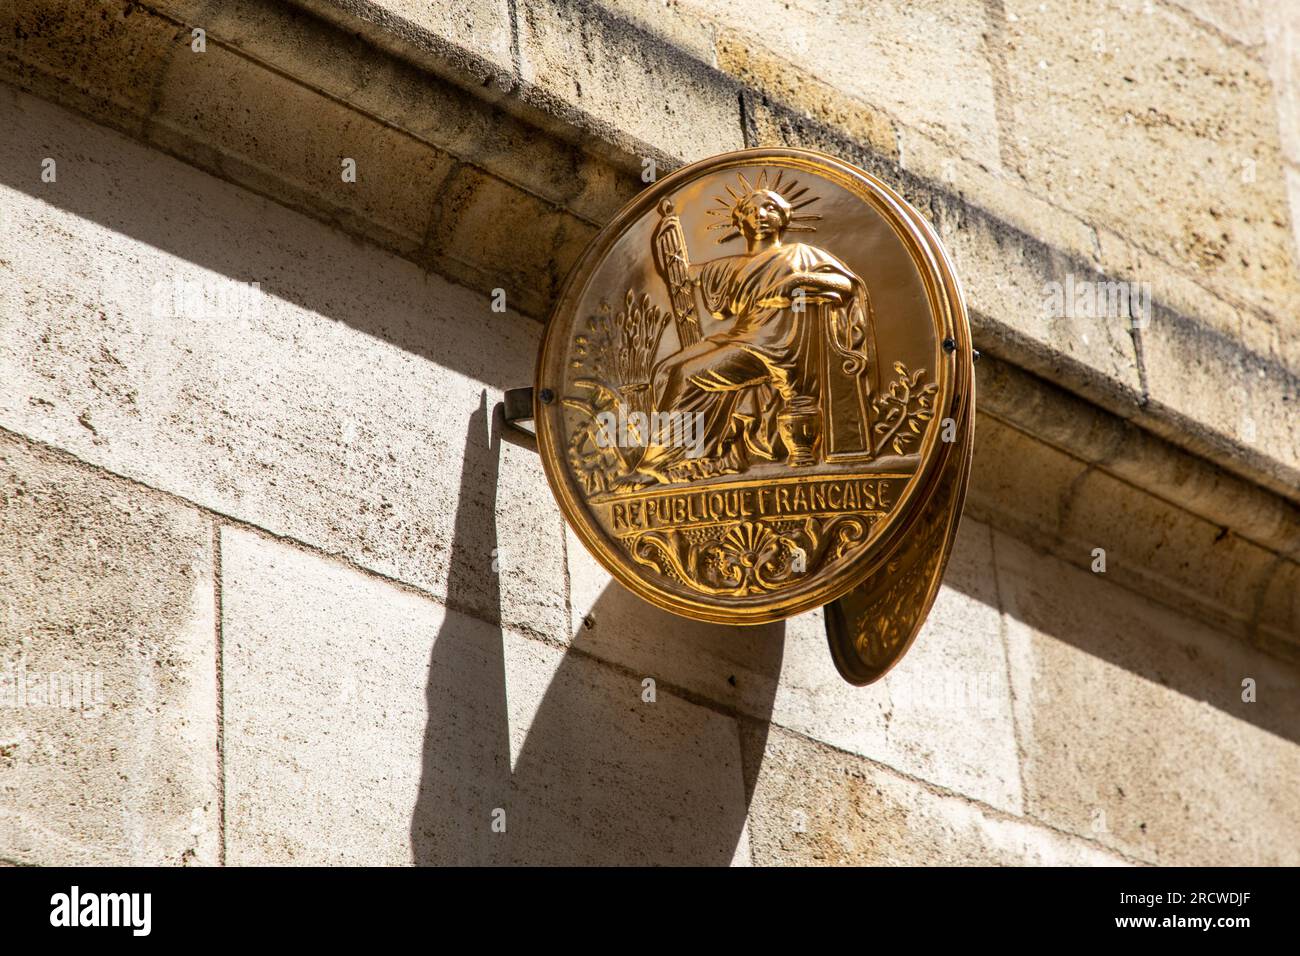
(755, 397)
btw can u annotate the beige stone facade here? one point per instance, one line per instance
(277, 586)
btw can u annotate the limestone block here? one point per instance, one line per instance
(1151, 112)
(367, 724)
(1133, 726)
(108, 704)
(816, 806)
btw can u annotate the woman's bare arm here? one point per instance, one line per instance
(828, 281)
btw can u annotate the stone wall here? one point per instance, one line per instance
(305, 599)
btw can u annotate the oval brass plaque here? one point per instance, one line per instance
(743, 390)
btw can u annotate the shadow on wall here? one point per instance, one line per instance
(132, 189)
(601, 777)
(1111, 617)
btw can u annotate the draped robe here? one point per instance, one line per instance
(766, 361)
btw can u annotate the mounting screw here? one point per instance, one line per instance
(950, 345)
(546, 395)
(975, 355)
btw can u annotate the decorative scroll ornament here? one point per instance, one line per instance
(755, 397)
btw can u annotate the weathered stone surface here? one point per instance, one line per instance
(498, 237)
(1017, 287)
(1281, 25)
(596, 64)
(1232, 404)
(1132, 725)
(1242, 20)
(324, 674)
(108, 56)
(1004, 197)
(282, 130)
(736, 667)
(1293, 190)
(279, 97)
(478, 29)
(696, 35)
(602, 775)
(420, 171)
(1019, 484)
(919, 62)
(428, 96)
(943, 715)
(1163, 552)
(1277, 622)
(1153, 547)
(813, 805)
(1069, 424)
(345, 403)
(108, 720)
(1153, 112)
(784, 91)
(368, 724)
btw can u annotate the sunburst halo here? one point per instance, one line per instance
(794, 194)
